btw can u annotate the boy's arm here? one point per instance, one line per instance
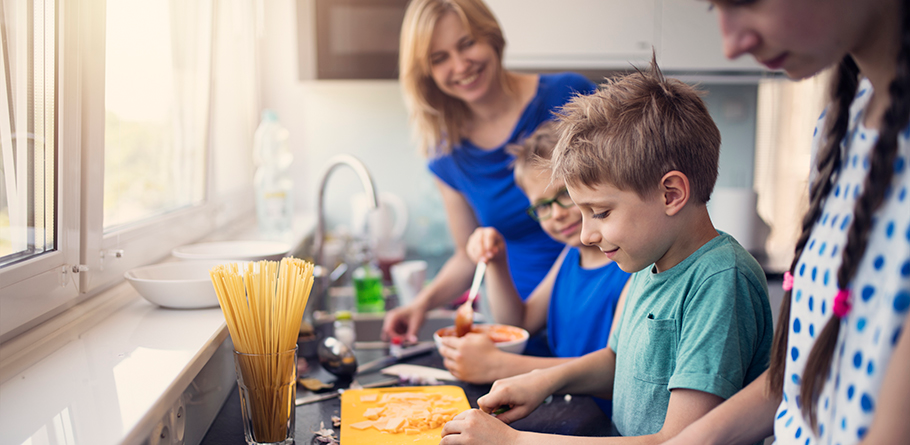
(745, 418)
(507, 306)
(591, 374)
(475, 359)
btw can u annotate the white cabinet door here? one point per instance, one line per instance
(690, 40)
(576, 34)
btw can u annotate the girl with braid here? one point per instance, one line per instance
(840, 365)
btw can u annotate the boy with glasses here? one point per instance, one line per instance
(575, 303)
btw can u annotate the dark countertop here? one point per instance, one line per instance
(579, 416)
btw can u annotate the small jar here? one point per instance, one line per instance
(344, 328)
(395, 347)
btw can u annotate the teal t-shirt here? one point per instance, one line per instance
(704, 324)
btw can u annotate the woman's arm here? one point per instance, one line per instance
(451, 281)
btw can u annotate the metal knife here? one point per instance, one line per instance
(337, 392)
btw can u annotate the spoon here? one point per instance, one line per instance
(464, 316)
(336, 357)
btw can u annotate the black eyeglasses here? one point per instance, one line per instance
(544, 209)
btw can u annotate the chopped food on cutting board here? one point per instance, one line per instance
(407, 412)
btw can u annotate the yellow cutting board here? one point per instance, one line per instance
(352, 409)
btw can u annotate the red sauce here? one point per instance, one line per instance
(499, 333)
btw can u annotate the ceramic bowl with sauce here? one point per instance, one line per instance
(506, 338)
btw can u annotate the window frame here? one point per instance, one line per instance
(38, 289)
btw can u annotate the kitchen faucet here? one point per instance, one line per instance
(321, 281)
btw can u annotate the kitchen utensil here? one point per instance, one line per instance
(336, 357)
(353, 408)
(233, 250)
(407, 370)
(410, 351)
(464, 316)
(332, 394)
(178, 285)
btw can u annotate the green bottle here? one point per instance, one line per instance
(368, 289)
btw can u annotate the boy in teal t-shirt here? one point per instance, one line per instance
(639, 158)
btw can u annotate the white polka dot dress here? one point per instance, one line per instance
(880, 295)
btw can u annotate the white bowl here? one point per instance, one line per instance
(176, 285)
(515, 343)
(233, 250)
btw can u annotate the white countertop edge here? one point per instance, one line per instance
(151, 418)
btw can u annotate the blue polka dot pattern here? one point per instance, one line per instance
(867, 292)
(902, 301)
(879, 262)
(881, 293)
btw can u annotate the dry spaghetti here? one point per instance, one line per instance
(263, 307)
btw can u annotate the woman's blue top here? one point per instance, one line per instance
(582, 306)
(484, 178)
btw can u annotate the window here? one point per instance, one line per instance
(156, 96)
(107, 158)
(27, 221)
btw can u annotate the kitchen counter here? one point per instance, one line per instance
(579, 416)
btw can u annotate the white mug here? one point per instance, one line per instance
(408, 278)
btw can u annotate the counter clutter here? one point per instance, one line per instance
(576, 415)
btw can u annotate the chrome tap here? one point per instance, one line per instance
(319, 238)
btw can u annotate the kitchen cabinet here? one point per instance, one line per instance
(576, 34)
(613, 35)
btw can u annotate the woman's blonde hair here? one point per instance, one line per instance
(437, 119)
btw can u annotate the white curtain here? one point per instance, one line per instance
(787, 114)
(236, 102)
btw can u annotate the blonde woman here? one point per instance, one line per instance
(464, 109)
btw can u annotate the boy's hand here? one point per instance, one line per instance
(477, 427)
(486, 244)
(472, 358)
(523, 393)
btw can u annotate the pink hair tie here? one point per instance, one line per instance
(841, 303)
(788, 281)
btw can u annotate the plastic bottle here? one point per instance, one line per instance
(367, 279)
(344, 328)
(272, 181)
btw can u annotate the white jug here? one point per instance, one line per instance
(383, 226)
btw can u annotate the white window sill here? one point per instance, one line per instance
(112, 380)
(114, 372)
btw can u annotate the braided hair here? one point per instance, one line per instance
(876, 187)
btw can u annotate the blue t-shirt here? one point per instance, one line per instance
(582, 306)
(484, 178)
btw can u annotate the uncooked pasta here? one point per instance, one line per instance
(263, 304)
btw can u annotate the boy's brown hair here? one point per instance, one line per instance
(533, 153)
(635, 129)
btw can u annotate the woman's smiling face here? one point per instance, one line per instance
(461, 66)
